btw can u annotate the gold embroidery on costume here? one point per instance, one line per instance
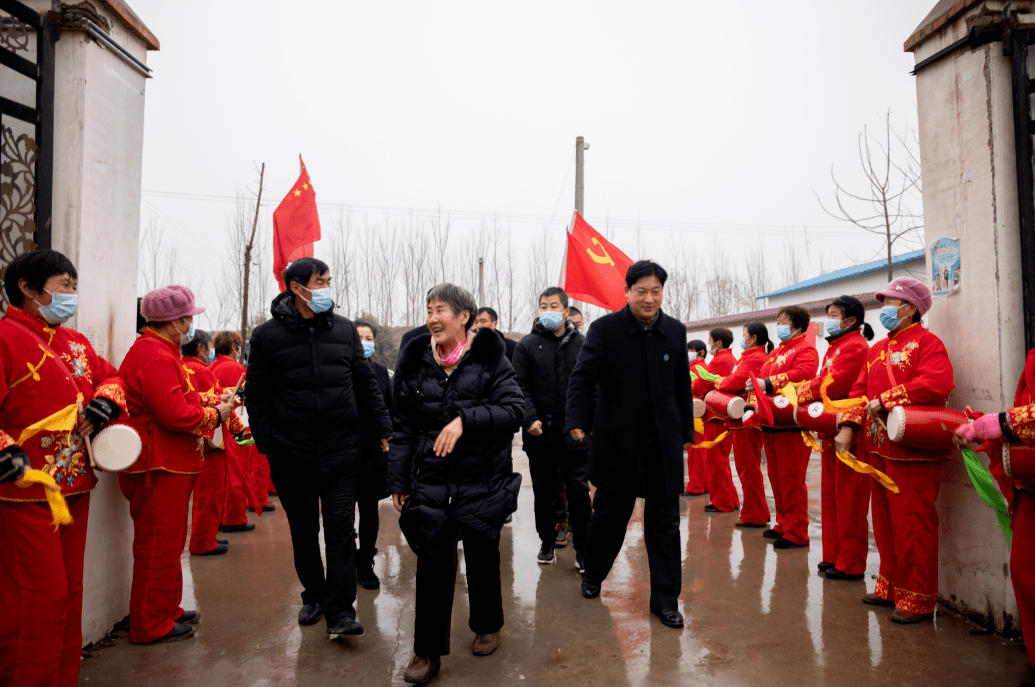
(207, 424)
(915, 602)
(112, 392)
(895, 397)
(1022, 420)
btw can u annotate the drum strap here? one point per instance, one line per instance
(887, 366)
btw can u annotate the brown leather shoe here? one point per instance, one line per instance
(486, 644)
(906, 618)
(422, 669)
(875, 600)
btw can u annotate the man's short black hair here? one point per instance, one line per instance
(645, 268)
(488, 311)
(302, 270)
(722, 335)
(572, 310)
(555, 291)
(368, 325)
(36, 267)
(201, 338)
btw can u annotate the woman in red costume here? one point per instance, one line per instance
(722, 492)
(696, 458)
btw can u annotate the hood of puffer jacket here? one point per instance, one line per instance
(283, 309)
(570, 330)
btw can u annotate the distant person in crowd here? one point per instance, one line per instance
(168, 411)
(642, 426)
(41, 566)
(210, 488)
(721, 491)
(697, 458)
(488, 319)
(450, 471)
(845, 493)
(909, 367)
(543, 363)
(141, 322)
(248, 471)
(373, 470)
(747, 438)
(575, 315)
(310, 391)
(786, 455)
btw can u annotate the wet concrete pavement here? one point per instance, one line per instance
(754, 616)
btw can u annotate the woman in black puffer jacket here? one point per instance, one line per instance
(450, 471)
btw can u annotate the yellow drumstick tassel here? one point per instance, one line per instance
(61, 421)
(58, 506)
(811, 441)
(859, 466)
(838, 406)
(791, 394)
(714, 442)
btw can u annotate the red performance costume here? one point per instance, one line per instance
(44, 371)
(911, 368)
(787, 456)
(210, 489)
(241, 460)
(747, 441)
(721, 491)
(166, 410)
(845, 492)
(697, 458)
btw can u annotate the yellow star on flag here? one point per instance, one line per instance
(305, 186)
(297, 192)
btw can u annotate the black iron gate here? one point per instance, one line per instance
(26, 130)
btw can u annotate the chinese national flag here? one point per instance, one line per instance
(595, 269)
(296, 225)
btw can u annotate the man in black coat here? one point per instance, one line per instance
(310, 389)
(373, 471)
(643, 423)
(543, 363)
(488, 319)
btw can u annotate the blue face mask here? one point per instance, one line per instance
(582, 332)
(62, 306)
(743, 344)
(188, 337)
(783, 332)
(322, 300)
(368, 348)
(834, 328)
(551, 319)
(889, 316)
(211, 355)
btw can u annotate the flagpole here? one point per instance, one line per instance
(580, 163)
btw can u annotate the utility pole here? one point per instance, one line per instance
(580, 165)
(248, 258)
(481, 282)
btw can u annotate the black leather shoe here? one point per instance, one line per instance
(589, 590)
(824, 566)
(309, 614)
(772, 534)
(715, 509)
(268, 508)
(669, 616)
(222, 541)
(366, 576)
(783, 543)
(246, 527)
(189, 617)
(754, 525)
(219, 550)
(179, 631)
(835, 574)
(345, 625)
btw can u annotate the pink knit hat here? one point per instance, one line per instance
(908, 289)
(169, 303)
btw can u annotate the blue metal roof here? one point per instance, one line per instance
(848, 273)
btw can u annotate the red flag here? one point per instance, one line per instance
(595, 269)
(296, 225)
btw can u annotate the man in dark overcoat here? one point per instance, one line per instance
(643, 424)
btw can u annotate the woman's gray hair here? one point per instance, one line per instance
(457, 298)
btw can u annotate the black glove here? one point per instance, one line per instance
(240, 394)
(13, 463)
(100, 411)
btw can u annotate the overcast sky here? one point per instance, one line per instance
(709, 122)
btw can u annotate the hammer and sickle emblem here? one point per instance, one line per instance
(606, 260)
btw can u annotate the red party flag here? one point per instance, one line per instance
(595, 269)
(296, 225)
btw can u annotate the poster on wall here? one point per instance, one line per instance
(945, 266)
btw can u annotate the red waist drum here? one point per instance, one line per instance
(783, 412)
(925, 427)
(725, 405)
(700, 407)
(815, 419)
(1019, 463)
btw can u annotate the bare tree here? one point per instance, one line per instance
(722, 289)
(342, 243)
(891, 167)
(759, 280)
(246, 262)
(416, 266)
(793, 266)
(152, 258)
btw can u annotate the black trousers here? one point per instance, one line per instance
(436, 582)
(607, 527)
(560, 501)
(305, 492)
(574, 468)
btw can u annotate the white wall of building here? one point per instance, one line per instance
(866, 283)
(99, 136)
(970, 193)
